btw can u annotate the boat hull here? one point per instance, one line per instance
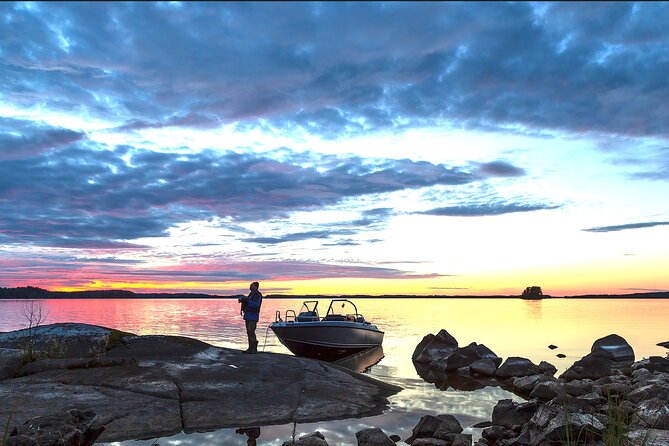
(328, 341)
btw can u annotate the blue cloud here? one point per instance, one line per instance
(486, 209)
(138, 65)
(625, 227)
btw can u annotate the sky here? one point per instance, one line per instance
(335, 148)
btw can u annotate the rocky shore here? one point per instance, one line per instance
(96, 384)
(603, 399)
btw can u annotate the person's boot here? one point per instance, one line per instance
(250, 349)
(254, 347)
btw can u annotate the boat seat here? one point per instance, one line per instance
(334, 317)
(307, 316)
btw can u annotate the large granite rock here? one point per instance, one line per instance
(313, 439)
(464, 357)
(653, 364)
(433, 347)
(10, 361)
(594, 365)
(515, 366)
(616, 347)
(153, 386)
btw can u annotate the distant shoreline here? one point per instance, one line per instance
(27, 293)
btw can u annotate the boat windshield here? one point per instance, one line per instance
(343, 310)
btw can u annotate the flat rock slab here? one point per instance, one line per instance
(171, 384)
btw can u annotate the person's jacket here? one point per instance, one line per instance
(252, 309)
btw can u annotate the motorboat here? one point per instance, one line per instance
(338, 334)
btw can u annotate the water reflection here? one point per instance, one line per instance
(251, 432)
(362, 362)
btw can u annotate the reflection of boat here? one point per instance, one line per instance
(330, 338)
(363, 361)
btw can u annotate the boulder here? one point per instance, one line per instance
(547, 390)
(313, 439)
(554, 424)
(483, 367)
(663, 344)
(495, 433)
(459, 439)
(649, 391)
(552, 347)
(463, 357)
(616, 347)
(653, 413)
(653, 364)
(373, 437)
(578, 387)
(73, 428)
(449, 425)
(515, 366)
(510, 414)
(430, 442)
(434, 347)
(594, 365)
(425, 428)
(649, 437)
(547, 368)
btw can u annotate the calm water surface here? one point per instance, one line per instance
(510, 327)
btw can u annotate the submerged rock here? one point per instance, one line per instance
(313, 439)
(464, 357)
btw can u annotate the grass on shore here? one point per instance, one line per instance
(5, 434)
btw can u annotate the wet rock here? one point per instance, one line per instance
(547, 390)
(561, 355)
(616, 347)
(459, 439)
(10, 361)
(653, 364)
(434, 347)
(73, 428)
(547, 368)
(482, 424)
(594, 365)
(484, 367)
(525, 384)
(515, 366)
(373, 437)
(425, 428)
(313, 439)
(395, 438)
(653, 413)
(552, 347)
(511, 415)
(449, 425)
(463, 357)
(663, 344)
(587, 402)
(430, 442)
(495, 433)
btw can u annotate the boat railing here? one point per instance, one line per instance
(289, 316)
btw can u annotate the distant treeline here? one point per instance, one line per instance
(30, 292)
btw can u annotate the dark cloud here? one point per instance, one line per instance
(627, 226)
(486, 209)
(337, 67)
(499, 169)
(296, 236)
(24, 139)
(90, 196)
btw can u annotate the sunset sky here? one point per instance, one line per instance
(375, 148)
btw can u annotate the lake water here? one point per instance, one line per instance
(510, 327)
